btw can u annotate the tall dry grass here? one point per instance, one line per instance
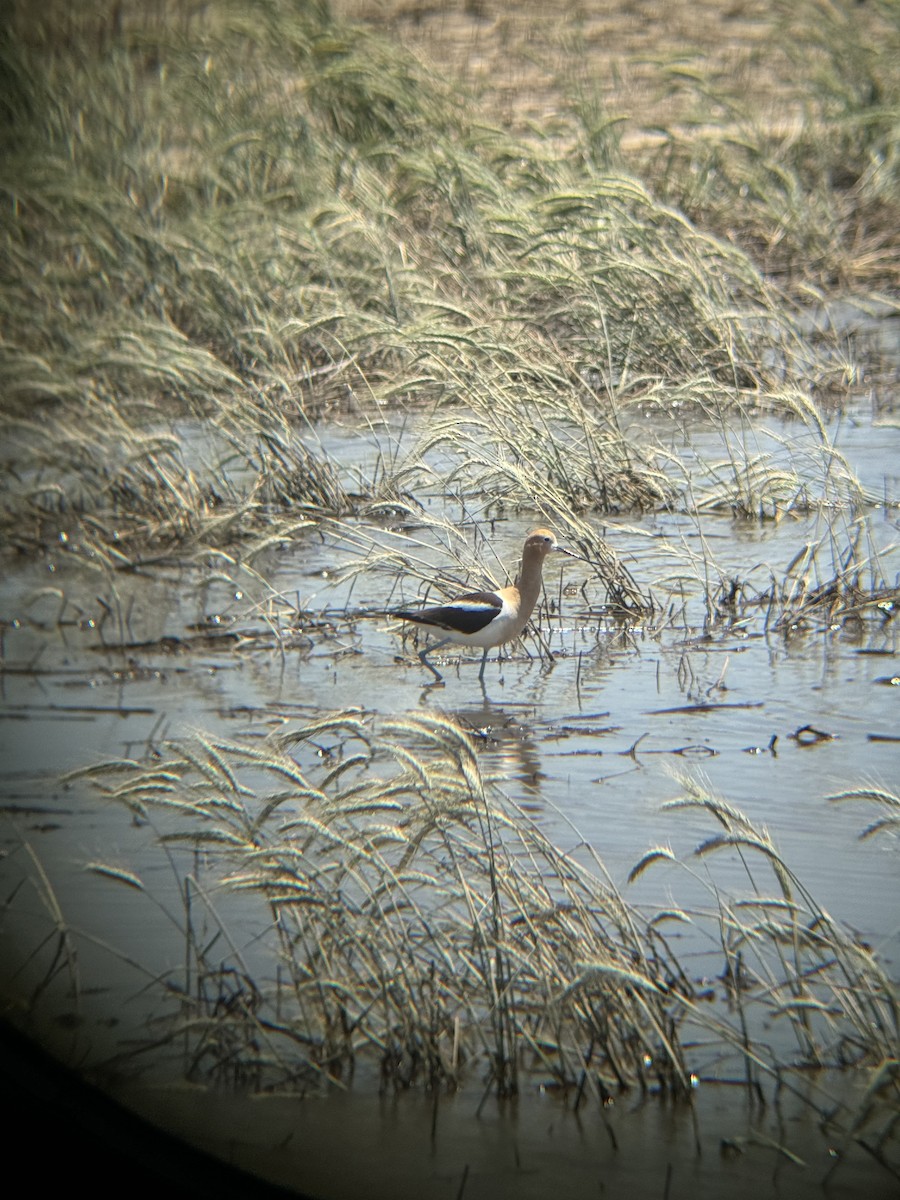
(242, 220)
(418, 921)
(414, 922)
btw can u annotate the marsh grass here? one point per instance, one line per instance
(224, 228)
(810, 190)
(420, 921)
(413, 922)
(789, 966)
(785, 956)
(54, 959)
(771, 125)
(250, 219)
(884, 801)
(436, 552)
(830, 584)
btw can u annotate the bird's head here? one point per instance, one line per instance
(541, 542)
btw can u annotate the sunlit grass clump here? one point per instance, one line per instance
(419, 923)
(415, 925)
(806, 177)
(241, 220)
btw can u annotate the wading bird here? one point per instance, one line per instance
(488, 619)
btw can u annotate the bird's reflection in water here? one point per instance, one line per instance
(508, 750)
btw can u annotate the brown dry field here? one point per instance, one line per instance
(771, 123)
(785, 79)
(641, 58)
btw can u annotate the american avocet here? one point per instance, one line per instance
(488, 619)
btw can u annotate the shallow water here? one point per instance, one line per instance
(451, 1146)
(590, 744)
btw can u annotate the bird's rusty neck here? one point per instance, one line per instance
(529, 581)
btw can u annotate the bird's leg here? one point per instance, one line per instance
(483, 665)
(423, 659)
